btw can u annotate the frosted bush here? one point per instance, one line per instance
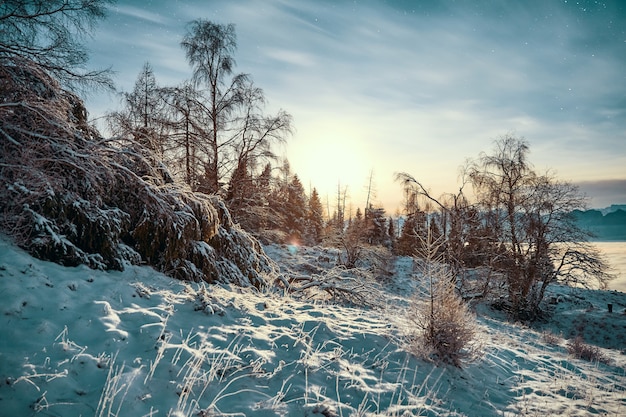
(445, 329)
(70, 196)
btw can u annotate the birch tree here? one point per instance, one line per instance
(531, 216)
(235, 132)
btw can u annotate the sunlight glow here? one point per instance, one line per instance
(293, 246)
(337, 157)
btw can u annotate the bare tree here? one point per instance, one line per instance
(233, 132)
(352, 241)
(143, 115)
(451, 208)
(251, 143)
(209, 48)
(257, 133)
(556, 248)
(185, 131)
(521, 227)
(371, 191)
(531, 216)
(50, 32)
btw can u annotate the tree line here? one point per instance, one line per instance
(211, 132)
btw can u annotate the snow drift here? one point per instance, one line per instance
(81, 342)
(70, 196)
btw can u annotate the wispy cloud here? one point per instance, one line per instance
(420, 85)
(141, 13)
(291, 57)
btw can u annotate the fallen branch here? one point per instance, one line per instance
(360, 289)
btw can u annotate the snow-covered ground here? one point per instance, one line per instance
(79, 342)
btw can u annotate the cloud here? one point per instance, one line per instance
(142, 14)
(603, 193)
(290, 57)
(424, 85)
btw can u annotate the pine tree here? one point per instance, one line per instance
(277, 202)
(414, 230)
(241, 197)
(407, 241)
(296, 210)
(376, 226)
(391, 231)
(315, 219)
(143, 114)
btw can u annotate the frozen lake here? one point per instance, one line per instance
(616, 255)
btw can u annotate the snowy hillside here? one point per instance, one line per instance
(81, 342)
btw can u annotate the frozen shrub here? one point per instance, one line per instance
(70, 196)
(579, 349)
(444, 327)
(550, 338)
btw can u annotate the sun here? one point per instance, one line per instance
(332, 161)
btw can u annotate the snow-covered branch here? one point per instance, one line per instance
(72, 197)
(354, 286)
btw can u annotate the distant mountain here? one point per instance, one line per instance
(606, 224)
(612, 208)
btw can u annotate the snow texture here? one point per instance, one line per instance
(82, 342)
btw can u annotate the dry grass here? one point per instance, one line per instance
(550, 338)
(579, 349)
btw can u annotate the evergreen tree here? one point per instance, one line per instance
(376, 232)
(264, 181)
(414, 230)
(295, 210)
(391, 231)
(264, 188)
(315, 219)
(242, 197)
(277, 202)
(258, 203)
(143, 114)
(407, 242)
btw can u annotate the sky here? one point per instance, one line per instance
(378, 87)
